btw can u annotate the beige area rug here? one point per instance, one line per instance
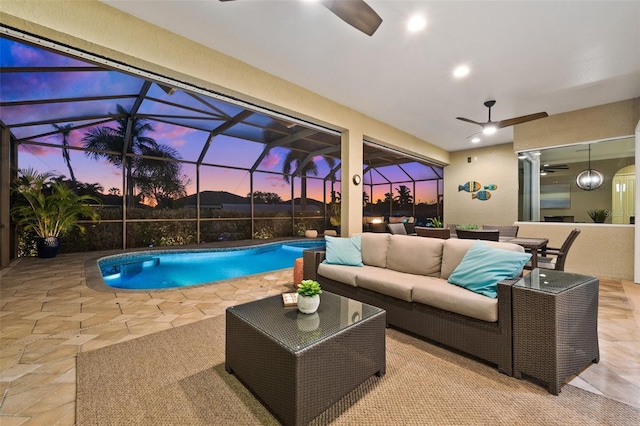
(177, 377)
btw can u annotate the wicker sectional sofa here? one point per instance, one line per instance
(407, 276)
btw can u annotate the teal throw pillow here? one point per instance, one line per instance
(343, 251)
(483, 267)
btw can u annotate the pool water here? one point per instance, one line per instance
(148, 270)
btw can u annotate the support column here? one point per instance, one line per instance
(5, 188)
(351, 194)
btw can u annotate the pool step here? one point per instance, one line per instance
(129, 268)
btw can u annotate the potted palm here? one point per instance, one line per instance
(48, 208)
(309, 296)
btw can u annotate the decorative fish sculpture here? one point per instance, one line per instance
(471, 186)
(482, 195)
(491, 187)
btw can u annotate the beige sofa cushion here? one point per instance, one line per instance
(342, 273)
(386, 281)
(455, 249)
(374, 248)
(438, 293)
(415, 255)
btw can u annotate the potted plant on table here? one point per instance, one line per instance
(436, 222)
(598, 216)
(309, 296)
(49, 208)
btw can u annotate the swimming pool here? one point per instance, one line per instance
(161, 269)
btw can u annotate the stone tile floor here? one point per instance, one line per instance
(48, 315)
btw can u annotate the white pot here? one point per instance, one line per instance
(308, 305)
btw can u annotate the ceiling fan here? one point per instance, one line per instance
(548, 168)
(491, 127)
(356, 13)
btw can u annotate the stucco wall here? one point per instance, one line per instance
(590, 124)
(489, 165)
(601, 250)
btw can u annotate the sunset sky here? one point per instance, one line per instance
(224, 150)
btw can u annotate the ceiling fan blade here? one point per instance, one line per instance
(356, 13)
(470, 121)
(519, 120)
(475, 134)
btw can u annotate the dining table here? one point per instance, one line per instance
(530, 244)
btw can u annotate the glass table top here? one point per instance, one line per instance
(550, 281)
(296, 330)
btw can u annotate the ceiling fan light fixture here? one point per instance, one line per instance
(489, 129)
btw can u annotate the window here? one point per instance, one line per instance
(549, 190)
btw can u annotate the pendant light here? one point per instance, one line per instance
(589, 179)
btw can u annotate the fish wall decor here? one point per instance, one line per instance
(491, 186)
(471, 186)
(481, 195)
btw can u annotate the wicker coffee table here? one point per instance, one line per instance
(555, 325)
(298, 365)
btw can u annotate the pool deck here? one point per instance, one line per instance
(48, 315)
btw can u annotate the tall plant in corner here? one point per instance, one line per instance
(48, 208)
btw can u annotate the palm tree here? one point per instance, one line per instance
(65, 130)
(295, 158)
(101, 139)
(404, 196)
(159, 181)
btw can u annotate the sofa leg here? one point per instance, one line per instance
(506, 370)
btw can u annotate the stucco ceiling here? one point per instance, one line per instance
(529, 56)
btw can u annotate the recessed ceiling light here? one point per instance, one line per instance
(461, 71)
(475, 140)
(416, 23)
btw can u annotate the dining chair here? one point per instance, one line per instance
(397, 228)
(471, 234)
(424, 231)
(505, 230)
(555, 258)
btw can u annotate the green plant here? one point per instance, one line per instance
(467, 226)
(309, 288)
(598, 216)
(48, 207)
(437, 223)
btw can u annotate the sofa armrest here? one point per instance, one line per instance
(311, 259)
(504, 302)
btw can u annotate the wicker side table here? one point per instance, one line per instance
(298, 365)
(555, 326)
